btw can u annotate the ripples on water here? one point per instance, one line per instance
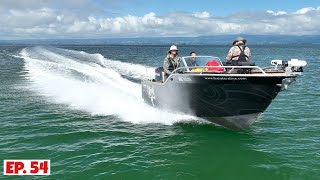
(38, 122)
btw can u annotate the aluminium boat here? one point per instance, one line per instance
(232, 96)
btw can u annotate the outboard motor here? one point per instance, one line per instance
(159, 74)
(292, 66)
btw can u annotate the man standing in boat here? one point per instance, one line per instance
(239, 52)
(171, 61)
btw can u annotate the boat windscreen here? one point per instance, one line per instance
(200, 60)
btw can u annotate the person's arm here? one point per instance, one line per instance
(178, 61)
(229, 55)
(248, 54)
(166, 65)
(195, 63)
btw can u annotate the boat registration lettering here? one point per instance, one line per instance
(150, 91)
(227, 78)
(184, 79)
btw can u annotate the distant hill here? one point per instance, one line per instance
(201, 40)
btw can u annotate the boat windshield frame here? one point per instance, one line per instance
(184, 67)
(201, 60)
(188, 66)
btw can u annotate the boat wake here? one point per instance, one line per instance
(92, 83)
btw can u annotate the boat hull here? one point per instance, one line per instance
(234, 102)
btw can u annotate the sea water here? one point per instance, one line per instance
(81, 107)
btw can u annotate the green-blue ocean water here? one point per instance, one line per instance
(81, 107)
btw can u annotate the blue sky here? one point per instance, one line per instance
(215, 7)
(34, 19)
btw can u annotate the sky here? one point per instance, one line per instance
(57, 19)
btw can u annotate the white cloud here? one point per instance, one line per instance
(53, 23)
(277, 13)
(203, 14)
(305, 10)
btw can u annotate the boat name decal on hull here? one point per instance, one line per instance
(150, 91)
(184, 79)
(227, 78)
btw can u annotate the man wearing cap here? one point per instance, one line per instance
(171, 61)
(239, 52)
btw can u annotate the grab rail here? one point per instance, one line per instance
(232, 68)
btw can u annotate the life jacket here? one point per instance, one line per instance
(242, 56)
(214, 63)
(172, 63)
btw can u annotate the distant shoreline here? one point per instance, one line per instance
(201, 40)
